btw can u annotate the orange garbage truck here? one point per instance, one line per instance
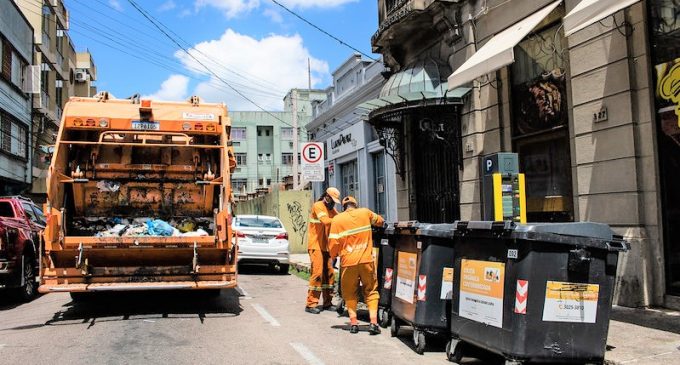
(139, 198)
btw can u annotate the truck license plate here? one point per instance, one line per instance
(146, 126)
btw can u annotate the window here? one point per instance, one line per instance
(241, 159)
(18, 68)
(235, 144)
(266, 132)
(6, 210)
(539, 124)
(269, 182)
(29, 212)
(46, 14)
(6, 60)
(44, 77)
(287, 158)
(379, 181)
(238, 134)
(40, 216)
(259, 132)
(239, 185)
(58, 95)
(350, 179)
(286, 133)
(14, 136)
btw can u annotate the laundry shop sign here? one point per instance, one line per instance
(347, 141)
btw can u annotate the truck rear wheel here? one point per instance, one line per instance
(29, 290)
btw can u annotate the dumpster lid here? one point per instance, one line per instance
(440, 230)
(577, 229)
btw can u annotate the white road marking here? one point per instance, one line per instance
(264, 314)
(244, 294)
(306, 353)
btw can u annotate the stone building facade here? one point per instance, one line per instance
(568, 85)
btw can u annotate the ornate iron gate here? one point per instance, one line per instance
(436, 158)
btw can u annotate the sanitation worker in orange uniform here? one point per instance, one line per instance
(351, 238)
(322, 277)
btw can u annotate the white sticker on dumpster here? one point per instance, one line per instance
(406, 276)
(447, 283)
(570, 302)
(481, 291)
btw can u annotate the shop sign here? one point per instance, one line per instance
(347, 141)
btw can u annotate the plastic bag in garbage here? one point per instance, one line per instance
(159, 227)
(108, 186)
(198, 233)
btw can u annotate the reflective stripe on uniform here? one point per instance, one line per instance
(316, 288)
(349, 232)
(321, 214)
(312, 220)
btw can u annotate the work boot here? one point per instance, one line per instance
(354, 328)
(313, 310)
(373, 329)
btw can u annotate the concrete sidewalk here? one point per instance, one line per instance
(636, 336)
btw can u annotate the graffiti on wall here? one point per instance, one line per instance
(668, 85)
(297, 218)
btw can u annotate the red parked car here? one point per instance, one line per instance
(21, 226)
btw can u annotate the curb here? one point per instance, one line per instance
(300, 267)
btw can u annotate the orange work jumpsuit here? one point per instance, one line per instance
(322, 278)
(351, 238)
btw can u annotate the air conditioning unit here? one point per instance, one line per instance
(82, 76)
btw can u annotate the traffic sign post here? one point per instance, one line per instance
(312, 162)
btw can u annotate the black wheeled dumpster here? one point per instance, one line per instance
(423, 280)
(385, 270)
(534, 293)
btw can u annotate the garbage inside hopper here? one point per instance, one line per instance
(117, 227)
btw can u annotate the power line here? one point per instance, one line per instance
(154, 59)
(239, 73)
(321, 30)
(141, 11)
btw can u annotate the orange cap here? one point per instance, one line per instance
(334, 194)
(349, 199)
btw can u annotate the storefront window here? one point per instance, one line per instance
(379, 183)
(539, 124)
(350, 180)
(665, 41)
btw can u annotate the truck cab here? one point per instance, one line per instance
(21, 227)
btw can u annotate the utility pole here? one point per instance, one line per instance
(296, 181)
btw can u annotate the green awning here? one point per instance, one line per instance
(426, 80)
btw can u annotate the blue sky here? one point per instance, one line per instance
(253, 44)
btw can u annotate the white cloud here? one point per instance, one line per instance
(232, 8)
(274, 15)
(168, 5)
(271, 65)
(175, 88)
(116, 5)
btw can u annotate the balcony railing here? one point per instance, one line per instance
(392, 5)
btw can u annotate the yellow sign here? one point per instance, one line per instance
(570, 302)
(668, 85)
(406, 276)
(481, 291)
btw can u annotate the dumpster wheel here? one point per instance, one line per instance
(394, 327)
(341, 307)
(419, 341)
(454, 350)
(384, 317)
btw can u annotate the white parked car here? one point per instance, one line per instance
(262, 240)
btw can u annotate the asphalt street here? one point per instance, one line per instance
(263, 322)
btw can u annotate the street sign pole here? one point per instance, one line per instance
(296, 181)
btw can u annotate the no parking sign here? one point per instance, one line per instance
(312, 162)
